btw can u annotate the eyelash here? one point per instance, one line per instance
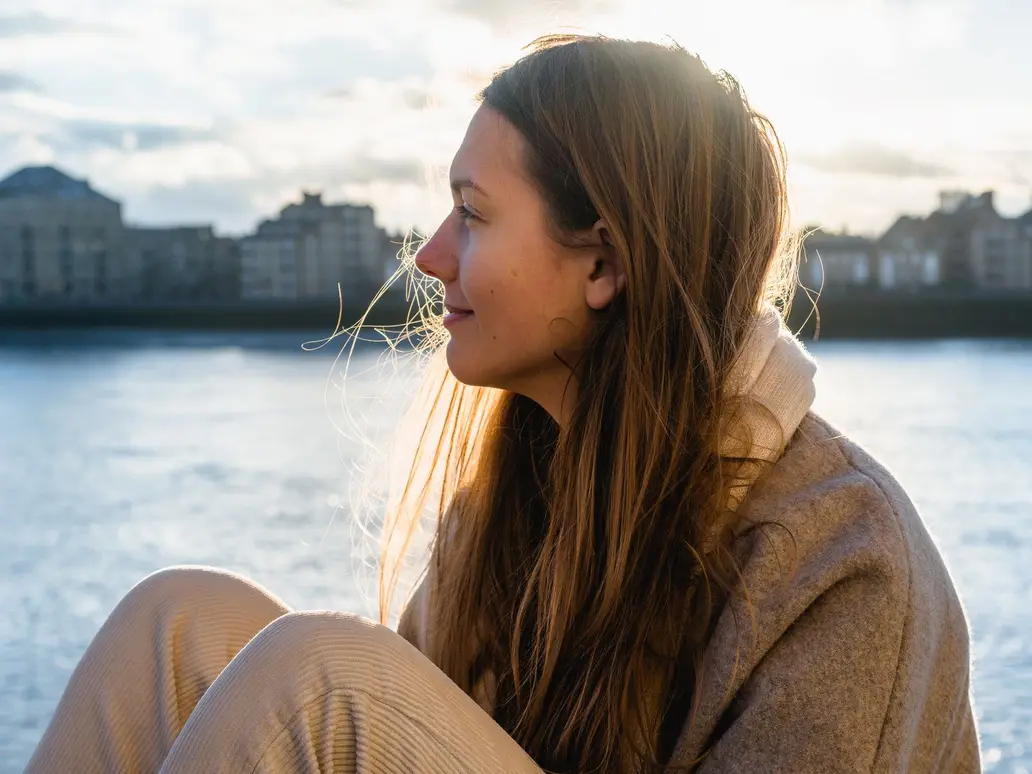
(464, 213)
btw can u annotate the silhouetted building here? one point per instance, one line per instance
(390, 246)
(964, 245)
(836, 261)
(185, 263)
(978, 247)
(1025, 227)
(906, 258)
(61, 240)
(309, 249)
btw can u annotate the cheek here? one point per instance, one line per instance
(526, 308)
(510, 332)
(504, 288)
(506, 307)
(524, 314)
(489, 273)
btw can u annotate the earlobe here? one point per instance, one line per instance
(608, 278)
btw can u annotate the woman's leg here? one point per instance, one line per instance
(330, 692)
(150, 663)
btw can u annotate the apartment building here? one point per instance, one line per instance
(310, 249)
(60, 240)
(185, 263)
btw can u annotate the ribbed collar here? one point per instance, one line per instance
(776, 376)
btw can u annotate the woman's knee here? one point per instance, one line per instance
(316, 630)
(193, 587)
(343, 647)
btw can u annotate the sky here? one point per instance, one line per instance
(222, 111)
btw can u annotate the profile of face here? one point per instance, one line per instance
(518, 303)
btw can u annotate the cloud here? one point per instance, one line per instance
(77, 133)
(233, 202)
(505, 13)
(874, 159)
(224, 109)
(365, 169)
(238, 202)
(490, 11)
(412, 97)
(11, 81)
(26, 24)
(1014, 165)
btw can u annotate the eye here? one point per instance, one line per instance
(465, 213)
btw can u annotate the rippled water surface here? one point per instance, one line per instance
(124, 452)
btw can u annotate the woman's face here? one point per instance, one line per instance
(513, 296)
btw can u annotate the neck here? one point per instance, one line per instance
(773, 372)
(555, 392)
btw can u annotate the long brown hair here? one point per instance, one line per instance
(580, 568)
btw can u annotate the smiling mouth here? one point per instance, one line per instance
(455, 314)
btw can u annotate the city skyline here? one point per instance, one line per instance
(220, 111)
(63, 241)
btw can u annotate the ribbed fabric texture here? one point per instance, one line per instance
(859, 661)
(200, 670)
(774, 373)
(158, 652)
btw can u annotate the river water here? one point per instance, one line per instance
(123, 452)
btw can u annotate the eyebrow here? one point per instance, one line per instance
(465, 182)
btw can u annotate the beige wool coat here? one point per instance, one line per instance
(861, 659)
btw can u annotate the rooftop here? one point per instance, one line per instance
(46, 181)
(822, 238)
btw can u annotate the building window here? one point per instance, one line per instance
(28, 256)
(100, 284)
(64, 257)
(995, 261)
(861, 269)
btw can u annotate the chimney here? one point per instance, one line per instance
(952, 201)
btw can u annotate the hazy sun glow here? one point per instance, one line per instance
(221, 110)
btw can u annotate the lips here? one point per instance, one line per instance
(455, 314)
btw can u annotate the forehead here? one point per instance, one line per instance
(492, 150)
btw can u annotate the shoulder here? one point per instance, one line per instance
(850, 642)
(831, 506)
(836, 497)
(847, 520)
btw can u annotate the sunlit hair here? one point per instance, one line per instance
(582, 567)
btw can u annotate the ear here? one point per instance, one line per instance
(608, 277)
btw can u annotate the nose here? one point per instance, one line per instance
(437, 257)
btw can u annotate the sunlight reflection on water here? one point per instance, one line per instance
(126, 452)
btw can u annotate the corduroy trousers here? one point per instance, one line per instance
(202, 670)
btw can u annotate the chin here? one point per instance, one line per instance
(474, 369)
(466, 368)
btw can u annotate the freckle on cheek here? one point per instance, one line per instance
(513, 272)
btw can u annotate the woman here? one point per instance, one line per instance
(651, 555)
